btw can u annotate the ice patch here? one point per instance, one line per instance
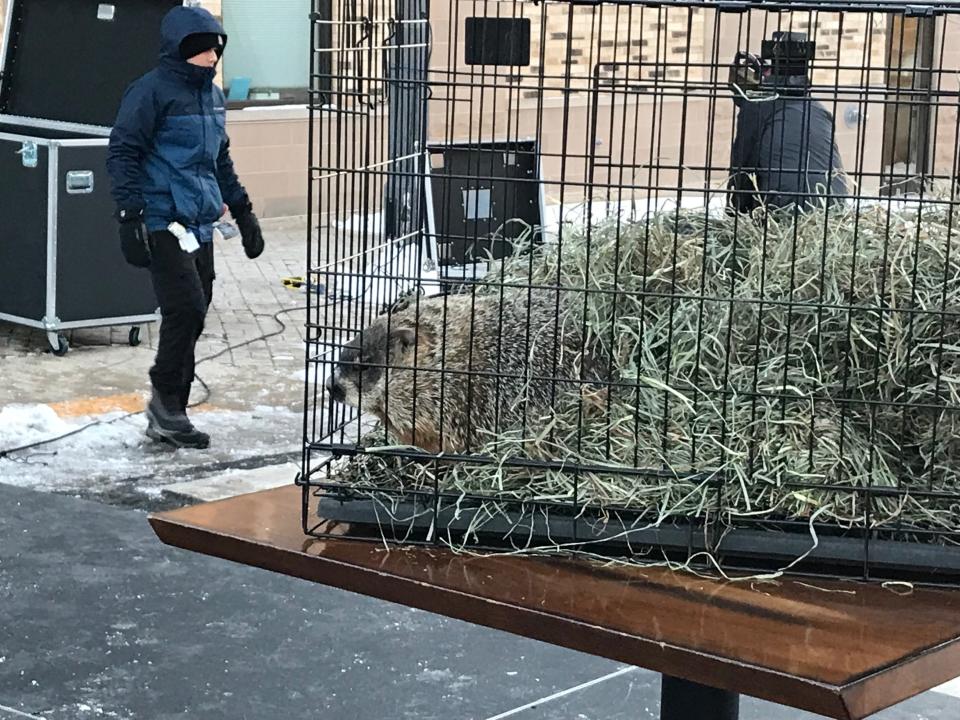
(427, 675)
(108, 453)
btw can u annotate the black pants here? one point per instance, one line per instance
(184, 286)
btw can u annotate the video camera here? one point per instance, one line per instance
(783, 66)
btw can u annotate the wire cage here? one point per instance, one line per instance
(675, 281)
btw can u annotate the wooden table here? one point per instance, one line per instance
(844, 650)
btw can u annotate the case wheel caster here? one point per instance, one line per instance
(134, 336)
(58, 344)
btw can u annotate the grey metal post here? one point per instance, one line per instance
(406, 74)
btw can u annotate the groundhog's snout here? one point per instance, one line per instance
(334, 389)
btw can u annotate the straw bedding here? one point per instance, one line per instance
(788, 360)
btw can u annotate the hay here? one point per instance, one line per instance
(795, 359)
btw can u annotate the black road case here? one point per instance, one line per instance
(65, 66)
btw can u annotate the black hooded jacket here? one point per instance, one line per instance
(788, 145)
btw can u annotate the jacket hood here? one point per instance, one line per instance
(183, 21)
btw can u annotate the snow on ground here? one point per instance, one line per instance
(116, 451)
(23, 424)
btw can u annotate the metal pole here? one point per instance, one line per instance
(685, 700)
(406, 81)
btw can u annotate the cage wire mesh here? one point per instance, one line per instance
(669, 281)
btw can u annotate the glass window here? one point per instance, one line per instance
(269, 47)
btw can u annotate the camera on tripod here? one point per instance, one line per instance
(783, 66)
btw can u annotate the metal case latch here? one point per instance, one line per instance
(79, 182)
(28, 154)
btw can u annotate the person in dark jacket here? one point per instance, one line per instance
(784, 154)
(172, 179)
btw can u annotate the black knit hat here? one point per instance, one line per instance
(197, 43)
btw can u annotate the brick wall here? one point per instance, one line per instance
(269, 150)
(642, 91)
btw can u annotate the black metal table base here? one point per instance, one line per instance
(685, 700)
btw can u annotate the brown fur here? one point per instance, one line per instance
(427, 399)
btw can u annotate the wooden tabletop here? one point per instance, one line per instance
(845, 650)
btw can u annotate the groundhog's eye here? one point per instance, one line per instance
(350, 360)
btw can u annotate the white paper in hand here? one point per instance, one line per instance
(188, 241)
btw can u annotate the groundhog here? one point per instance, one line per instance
(451, 373)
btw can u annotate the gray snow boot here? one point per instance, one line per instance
(167, 422)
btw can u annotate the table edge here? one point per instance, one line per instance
(827, 699)
(870, 694)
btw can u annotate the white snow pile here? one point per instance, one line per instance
(25, 424)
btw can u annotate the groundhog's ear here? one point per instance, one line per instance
(402, 338)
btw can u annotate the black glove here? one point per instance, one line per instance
(249, 228)
(134, 238)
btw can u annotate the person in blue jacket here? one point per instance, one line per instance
(172, 179)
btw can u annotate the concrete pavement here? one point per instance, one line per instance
(253, 411)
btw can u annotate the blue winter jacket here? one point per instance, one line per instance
(169, 151)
